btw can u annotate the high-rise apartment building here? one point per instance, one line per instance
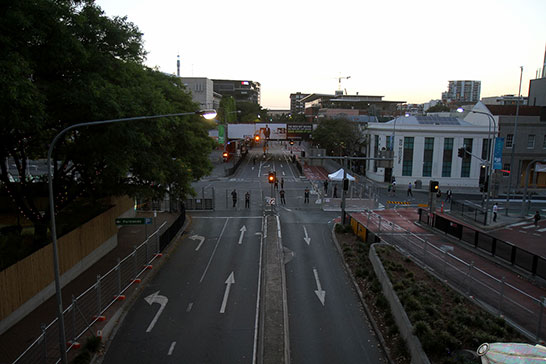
(462, 91)
(296, 107)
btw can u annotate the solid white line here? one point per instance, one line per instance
(257, 318)
(528, 226)
(541, 230)
(171, 349)
(278, 226)
(214, 251)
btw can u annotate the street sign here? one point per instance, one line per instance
(134, 221)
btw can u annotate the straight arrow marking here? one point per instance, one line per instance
(229, 282)
(321, 294)
(243, 229)
(200, 238)
(156, 298)
(306, 238)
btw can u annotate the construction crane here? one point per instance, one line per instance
(339, 81)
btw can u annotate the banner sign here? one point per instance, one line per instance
(497, 156)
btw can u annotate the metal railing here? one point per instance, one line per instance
(502, 298)
(87, 310)
(469, 210)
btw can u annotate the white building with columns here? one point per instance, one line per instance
(425, 148)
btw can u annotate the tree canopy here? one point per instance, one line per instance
(337, 136)
(64, 62)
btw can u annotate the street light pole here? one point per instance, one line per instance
(491, 145)
(208, 114)
(513, 144)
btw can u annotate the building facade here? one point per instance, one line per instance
(462, 91)
(296, 106)
(240, 90)
(424, 148)
(202, 92)
(537, 92)
(504, 100)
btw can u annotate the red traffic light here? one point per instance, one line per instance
(271, 177)
(257, 138)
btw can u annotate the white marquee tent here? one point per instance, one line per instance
(338, 176)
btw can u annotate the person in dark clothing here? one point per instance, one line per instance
(281, 193)
(410, 193)
(448, 196)
(326, 187)
(536, 218)
(234, 197)
(282, 183)
(247, 199)
(306, 195)
(335, 191)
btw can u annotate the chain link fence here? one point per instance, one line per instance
(86, 312)
(494, 293)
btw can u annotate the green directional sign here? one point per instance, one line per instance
(134, 221)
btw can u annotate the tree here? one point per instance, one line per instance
(64, 62)
(249, 112)
(337, 136)
(439, 107)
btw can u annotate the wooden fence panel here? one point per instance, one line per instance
(23, 280)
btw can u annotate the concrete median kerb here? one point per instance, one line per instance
(110, 329)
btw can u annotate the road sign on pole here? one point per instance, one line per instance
(134, 221)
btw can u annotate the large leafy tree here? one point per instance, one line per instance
(64, 62)
(338, 136)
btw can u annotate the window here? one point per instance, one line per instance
(448, 155)
(506, 167)
(467, 159)
(407, 163)
(530, 141)
(427, 157)
(509, 140)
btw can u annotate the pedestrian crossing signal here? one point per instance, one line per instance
(225, 155)
(271, 177)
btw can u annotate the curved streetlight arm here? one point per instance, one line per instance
(62, 337)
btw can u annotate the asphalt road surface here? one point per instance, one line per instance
(203, 306)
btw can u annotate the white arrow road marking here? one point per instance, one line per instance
(200, 238)
(243, 229)
(319, 292)
(229, 282)
(281, 166)
(284, 174)
(155, 298)
(307, 238)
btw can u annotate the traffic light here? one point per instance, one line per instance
(225, 155)
(271, 177)
(256, 138)
(461, 152)
(434, 186)
(291, 142)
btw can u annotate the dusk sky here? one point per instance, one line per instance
(402, 50)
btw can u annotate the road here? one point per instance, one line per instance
(204, 304)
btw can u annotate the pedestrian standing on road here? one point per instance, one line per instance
(495, 209)
(326, 187)
(335, 191)
(536, 218)
(276, 184)
(448, 196)
(282, 183)
(234, 197)
(247, 199)
(409, 190)
(306, 195)
(394, 188)
(281, 193)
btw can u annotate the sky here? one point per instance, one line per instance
(400, 49)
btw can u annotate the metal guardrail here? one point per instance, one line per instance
(502, 298)
(89, 308)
